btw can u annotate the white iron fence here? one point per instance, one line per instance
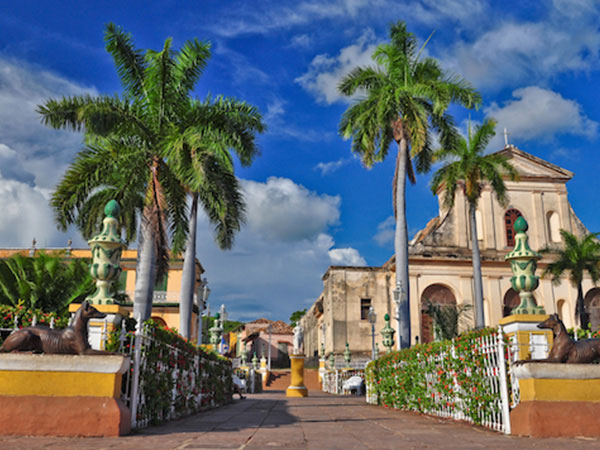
(494, 370)
(166, 382)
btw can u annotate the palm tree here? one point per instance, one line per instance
(577, 257)
(48, 282)
(200, 152)
(405, 96)
(470, 170)
(125, 154)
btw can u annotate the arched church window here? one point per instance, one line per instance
(436, 294)
(553, 227)
(509, 222)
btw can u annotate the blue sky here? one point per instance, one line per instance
(310, 202)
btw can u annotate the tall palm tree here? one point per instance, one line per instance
(125, 154)
(404, 97)
(470, 170)
(200, 152)
(577, 257)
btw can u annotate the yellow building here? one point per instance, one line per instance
(440, 265)
(165, 304)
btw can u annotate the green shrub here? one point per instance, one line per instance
(428, 377)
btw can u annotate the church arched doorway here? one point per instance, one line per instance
(437, 294)
(592, 306)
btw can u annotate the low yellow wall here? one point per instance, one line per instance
(63, 395)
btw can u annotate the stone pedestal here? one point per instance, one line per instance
(557, 400)
(522, 331)
(297, 388)
(264, 371)
(99, 328)
(62, 395)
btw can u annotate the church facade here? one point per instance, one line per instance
(440, 265)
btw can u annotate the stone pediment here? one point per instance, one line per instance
(530, 166)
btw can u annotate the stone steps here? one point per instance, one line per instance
(279, 380)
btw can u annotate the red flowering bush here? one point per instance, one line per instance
(25, 317)
(449, 374)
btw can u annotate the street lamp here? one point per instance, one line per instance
(372, 317)
(202, 298)
(399, 299)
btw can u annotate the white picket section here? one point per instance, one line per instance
(498, 359)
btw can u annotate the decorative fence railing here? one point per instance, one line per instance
(168, 378)
(464, 379)
(333, 380)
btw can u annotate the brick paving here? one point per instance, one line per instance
(320, 421)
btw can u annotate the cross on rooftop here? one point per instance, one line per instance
(506, 133)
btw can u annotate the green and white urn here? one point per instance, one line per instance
(388, 334)
(523, 263)
(106, 256)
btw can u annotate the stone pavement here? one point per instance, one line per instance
(321, 421)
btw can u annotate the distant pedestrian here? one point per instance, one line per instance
(238, 386)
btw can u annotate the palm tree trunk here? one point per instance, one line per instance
(477, 284)
(583, 315)
(145, 273)
(188, 276)
(401, 248)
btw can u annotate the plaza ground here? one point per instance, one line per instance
(320, 421)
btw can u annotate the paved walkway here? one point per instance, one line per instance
(321, 421)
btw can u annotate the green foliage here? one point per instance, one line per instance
(296, 316)
(201, 378)
(446, 318)
(576, 257)
(469, 168)
(421, 378)
(48, 282)
(406, 96)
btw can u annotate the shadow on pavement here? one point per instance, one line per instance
(239, 415)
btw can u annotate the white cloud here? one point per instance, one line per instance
(302, 41)
(346, 257)
(40, 152)
(26, 215)
(275, 111)
(536, 113)
(385, 231)
(265, 18)
(32, 156)
(269, 16)
(278, 126)
(283, 210)
(565, 40)
(281, 254)
(325, 72)
(331, 166)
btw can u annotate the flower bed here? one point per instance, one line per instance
(457, 378)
